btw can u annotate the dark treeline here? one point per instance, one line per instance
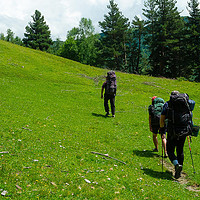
(164, 44)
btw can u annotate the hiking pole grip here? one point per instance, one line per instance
(189, 143)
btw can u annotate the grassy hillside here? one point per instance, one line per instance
(52, 118)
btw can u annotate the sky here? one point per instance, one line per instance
(63, 15)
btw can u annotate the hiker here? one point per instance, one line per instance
(110, 86)
(154, 122)
(178, 112)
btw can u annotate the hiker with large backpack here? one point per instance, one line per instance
(110, 86)
(177, 114)
(154, 122)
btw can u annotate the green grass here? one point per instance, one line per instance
(52, 118)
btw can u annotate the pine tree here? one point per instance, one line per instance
(165, 26)
(10, 36)
(193, 39)
(138, 33)
(114, 38)
(37, 34)
(150, 12)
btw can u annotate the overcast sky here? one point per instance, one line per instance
(62, 15)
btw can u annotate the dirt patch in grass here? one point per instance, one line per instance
(183, 179)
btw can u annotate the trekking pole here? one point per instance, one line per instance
(162, 156)
(191, 153)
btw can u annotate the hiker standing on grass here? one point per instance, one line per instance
(178, 112)
(110, 86)
(154, 122)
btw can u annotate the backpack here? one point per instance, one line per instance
(111, 83)
(179, 116)
(156, 110)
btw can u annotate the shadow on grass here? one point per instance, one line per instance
(146, 153)
(99, 115)
(158, 174)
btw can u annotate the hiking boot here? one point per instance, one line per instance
(113, 116)
(155, 150)
(107, 114)
(178, 169)
(165, 155)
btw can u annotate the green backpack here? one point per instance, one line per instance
(157, 106)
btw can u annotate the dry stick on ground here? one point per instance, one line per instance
(106, 155)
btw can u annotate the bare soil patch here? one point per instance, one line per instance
(183, 179)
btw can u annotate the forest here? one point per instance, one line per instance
(164, 44)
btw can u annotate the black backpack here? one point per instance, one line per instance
(179, 116)
(156, 109)
(111, 83)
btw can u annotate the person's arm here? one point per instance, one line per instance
(102, 89)
(162, 125)
(150, 127)
(163, 115)
(162, 121)
(102, 92)
(191, 104)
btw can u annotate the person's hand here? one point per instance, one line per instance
(151, 129)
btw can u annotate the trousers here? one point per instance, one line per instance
(108, 97)
(178, 145)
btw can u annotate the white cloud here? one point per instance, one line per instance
(127, 4)
(63, 15)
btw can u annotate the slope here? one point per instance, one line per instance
(52, 118)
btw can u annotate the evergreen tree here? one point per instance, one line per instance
(150, 12)
(10, 36)
(165, 27)
(18, 41)
(132, 51)
(138, 30)
(193, 39)
(114, 38)
(37, 34)
(56, 47)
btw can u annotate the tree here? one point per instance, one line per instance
(193, 39)
(138, 30)
(56, 47)
(114, 38)
(2, 37)
(150, 12)
(80, 44)
(37, 34)
(70, 49)
(165, 25)
(86, 42)
(10, 36)
(17, 40)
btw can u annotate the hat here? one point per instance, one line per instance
(153, 97)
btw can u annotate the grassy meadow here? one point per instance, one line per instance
(52, 118)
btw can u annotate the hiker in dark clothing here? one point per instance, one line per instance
(154, 123)
(179, 126)
(108, 96)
